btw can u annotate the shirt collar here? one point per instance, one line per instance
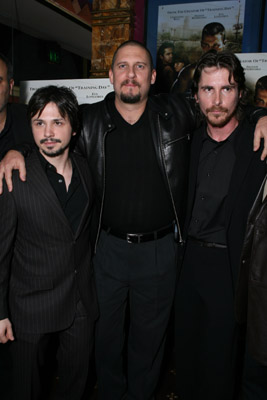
(231, 137)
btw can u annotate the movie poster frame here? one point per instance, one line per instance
(253, 24)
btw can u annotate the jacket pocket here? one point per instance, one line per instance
(30, 284)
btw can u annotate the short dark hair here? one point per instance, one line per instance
(9, 66)
(229, 61)
(132, 43)
(164, 46)
(63, 97)
(261, 83)
(212, 29)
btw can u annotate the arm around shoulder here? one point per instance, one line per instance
(12, 160)
(6, 332)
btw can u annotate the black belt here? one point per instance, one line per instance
(208, 244)
(140, 237)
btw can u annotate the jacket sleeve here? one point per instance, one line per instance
(80, 145)
(8, 222)
(190, 105)
(255, 113)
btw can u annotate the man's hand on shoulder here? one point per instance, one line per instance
(261, 133)
(6, 332)
(12, 160)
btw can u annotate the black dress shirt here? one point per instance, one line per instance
(136, 197)
(215, 169)
(73, 200)
(16, 130)
(7, 140)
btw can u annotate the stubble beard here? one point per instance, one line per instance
(218, 122)
(3, 105)
(55, 153)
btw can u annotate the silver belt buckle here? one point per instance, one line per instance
(130, 236)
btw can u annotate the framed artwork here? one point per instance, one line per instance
(79, 11)
(173, 20)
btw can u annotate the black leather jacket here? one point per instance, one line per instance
(172, 121)
(251, 292)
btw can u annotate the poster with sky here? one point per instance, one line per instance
(182, 25)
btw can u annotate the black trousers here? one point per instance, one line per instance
(33, 362)
(206, 335)
(142, 277)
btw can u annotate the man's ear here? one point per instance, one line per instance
(11, 85)
(110, 74)
(196, 98)
(153, 76)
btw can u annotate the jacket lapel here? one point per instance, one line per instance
(254, 212)
(86, 182)
(244, 156)
(37, 178)
(194, 160)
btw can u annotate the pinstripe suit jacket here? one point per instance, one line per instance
(44, 266)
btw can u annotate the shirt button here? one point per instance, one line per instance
(75, 271)
(60, 181)
(202, 198)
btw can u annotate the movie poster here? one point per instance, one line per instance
(255, 66)
(182, 25)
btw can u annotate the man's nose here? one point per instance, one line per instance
(48, 131)
(131, 71)
(217, 97)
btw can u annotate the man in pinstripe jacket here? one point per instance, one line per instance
(47, 294)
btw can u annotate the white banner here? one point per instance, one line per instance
(86, 90)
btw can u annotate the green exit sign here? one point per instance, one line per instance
(54, 57)
(53, 51)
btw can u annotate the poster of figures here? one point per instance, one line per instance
(182, 24)
(255, 66)
(185, 31)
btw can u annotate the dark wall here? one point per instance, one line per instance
(30, 57)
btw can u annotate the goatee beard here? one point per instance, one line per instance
(55, 153)
(130, 99)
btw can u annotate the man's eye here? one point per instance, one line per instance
(140, 66)
(122, 66)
